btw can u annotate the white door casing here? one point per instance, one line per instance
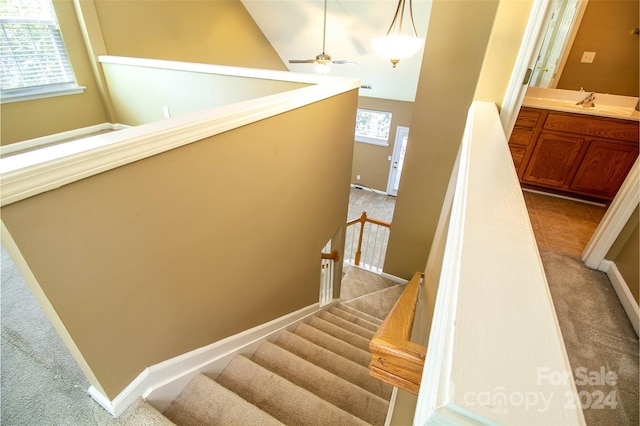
(397, 159)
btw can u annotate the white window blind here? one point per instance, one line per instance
(33, 57)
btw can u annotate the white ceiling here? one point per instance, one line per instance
(294, 29)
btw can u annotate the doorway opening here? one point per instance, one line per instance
(558, 37)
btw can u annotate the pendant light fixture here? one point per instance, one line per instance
(395, 45)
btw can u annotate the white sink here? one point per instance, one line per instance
(566, 100)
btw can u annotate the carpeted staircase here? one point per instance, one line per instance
(316, 373)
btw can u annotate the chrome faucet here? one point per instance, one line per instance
(588, 101)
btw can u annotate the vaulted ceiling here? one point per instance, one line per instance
(295, 27)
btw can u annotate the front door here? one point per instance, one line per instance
(397, 160)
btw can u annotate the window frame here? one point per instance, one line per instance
(372, 140)
(51, 27)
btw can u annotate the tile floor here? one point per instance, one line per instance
(561, 224)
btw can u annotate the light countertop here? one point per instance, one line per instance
(613, 106)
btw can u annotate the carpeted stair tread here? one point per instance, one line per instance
(333, 344)
(333, 389)
(339, 333)
(279, 397)
(206, 402)
(377, 304)
(334, 363)
(354, 319)
(359, 314)
(357, 282)
(347, 325)
(141, 413)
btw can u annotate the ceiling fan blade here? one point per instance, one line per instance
(322, 58)
(344, 62)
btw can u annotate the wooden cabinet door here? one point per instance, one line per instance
(552, 160)
(604, 168)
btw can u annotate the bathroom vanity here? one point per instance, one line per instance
(582, 152)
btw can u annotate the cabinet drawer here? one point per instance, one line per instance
(592, 126)
(528, 117)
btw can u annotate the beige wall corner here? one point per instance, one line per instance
(504, 44)
(211, 32)
(451, 66)
(94, 43)
(625, 254)
(16, 256)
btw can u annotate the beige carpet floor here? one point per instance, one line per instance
(598, 337)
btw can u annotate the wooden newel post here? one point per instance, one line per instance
(363, 220)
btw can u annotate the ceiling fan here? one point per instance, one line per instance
(322, 61)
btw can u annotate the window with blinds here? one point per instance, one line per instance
(33, 58)
(373, 126)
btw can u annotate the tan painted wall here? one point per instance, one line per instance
(451, 65)
(171, 253)
(140, 94)
(214, 32)
(371, 162)
(504, 44)
(31, 119)
(624, 253)
(607, 29)
(218, 32)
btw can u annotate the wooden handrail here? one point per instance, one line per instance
(395, 359)
(334, 255)
(362, 220)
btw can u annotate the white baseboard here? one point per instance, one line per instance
(160, 384)
(565, 197)
(366, 188)
(622, 290)
(394, 278)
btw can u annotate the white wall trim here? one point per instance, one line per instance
(616, 217)
(531, 43)
(50, 139)
(258, 73)
(622, 290)
(161, 383)
(34, 172)
(494, 325)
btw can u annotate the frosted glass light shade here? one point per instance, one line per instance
(322, 68)
(395, 47)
